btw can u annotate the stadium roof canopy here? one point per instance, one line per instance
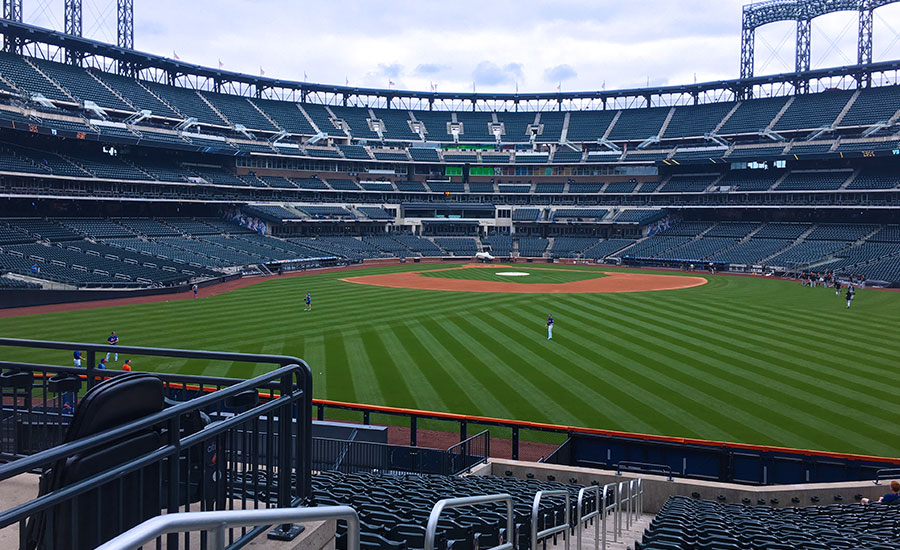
(40, 42)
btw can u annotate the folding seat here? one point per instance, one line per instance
(94, 517)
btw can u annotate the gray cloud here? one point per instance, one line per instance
(393, 70)
(488, 73)
(560, 73)
(429, 68)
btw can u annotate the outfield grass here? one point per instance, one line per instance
(738, 359)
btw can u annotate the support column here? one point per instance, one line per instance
(12, 10)
(125, 32)
(73, 27)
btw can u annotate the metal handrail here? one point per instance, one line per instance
(460, 502)
(535, 507)
(598, 511)
(607, 508)
(215, 523)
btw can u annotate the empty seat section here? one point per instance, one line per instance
(551, 127)
(639, 124)
(358, 119)
(81, 85)
(137, 95)
(532, 247)
(396, 124)
(322, 119)
(875, 104)
(588, 125)
(475, 127)
(753, 115)
(515, 127)
(457, 246)
(239, 110)
(688, 183)
(814, 180)
(187, 102)
(696, 120)
(23, 76)
(286, 115)
(812, 111)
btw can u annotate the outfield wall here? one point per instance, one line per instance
(13, 298)
(658, 489)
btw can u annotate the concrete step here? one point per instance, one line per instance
(623, 542)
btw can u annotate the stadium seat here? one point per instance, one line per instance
(91, 519)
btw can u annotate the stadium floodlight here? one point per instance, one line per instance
(648, 142)
(40, 99)
(317, 138)
(92, 107)
(143, 114)
(241, 129)
(187, 124)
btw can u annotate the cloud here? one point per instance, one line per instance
(488, 73)
(429, 69)
(560, 73)
(393, 70)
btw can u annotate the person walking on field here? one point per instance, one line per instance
(112, 341)
(195, 288)
(550, 327)
(308, 302)
(850, 294)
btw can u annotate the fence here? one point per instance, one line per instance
(646, 453)
(365, 456)
(254, 453)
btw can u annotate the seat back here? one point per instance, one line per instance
(92, 518)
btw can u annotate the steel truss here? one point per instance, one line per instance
(803, 12)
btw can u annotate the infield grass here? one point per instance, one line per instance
(739, 359)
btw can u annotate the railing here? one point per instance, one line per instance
(695, 458)
(644, 468)
(603, 506)
(470, 452)
(254, 453)
(630, 495)
(447, 503)
(214, 525)
(552, 530)
(366, 456)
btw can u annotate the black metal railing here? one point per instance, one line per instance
(470, 452)
(235, 444)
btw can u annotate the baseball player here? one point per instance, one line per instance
(308, 302)
(112, 341)
(550, 327)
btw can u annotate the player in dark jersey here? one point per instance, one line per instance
(550, 327)
(308, 302)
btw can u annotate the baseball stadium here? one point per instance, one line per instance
(245, 311)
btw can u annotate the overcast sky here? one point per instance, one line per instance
(494, 45)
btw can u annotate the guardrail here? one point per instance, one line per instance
(256, 453)
(561, 528)
(439, 506)
(214, 525)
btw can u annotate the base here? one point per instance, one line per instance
(285, 531)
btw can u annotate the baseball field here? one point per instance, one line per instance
(730, 358)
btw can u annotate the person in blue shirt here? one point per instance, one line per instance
(550, 327)
(112, 341)
(889, 498)
(77, 356)
(308, 302)
(102, 364)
